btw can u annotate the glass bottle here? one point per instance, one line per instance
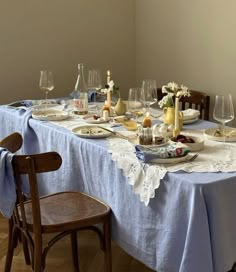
(81, 93)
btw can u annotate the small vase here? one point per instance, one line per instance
(120, 108)
(169, 117)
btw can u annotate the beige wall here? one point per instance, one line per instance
(190, 42)
(59, 34)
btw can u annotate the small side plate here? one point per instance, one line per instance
(90, 120)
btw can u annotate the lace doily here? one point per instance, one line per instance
(144, 178)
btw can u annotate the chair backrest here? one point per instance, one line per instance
(198, 100)
(13, 142)
(31, 165)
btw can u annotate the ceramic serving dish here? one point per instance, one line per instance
(196, 146)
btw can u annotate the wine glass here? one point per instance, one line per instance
(94, 85)
(223, 111)
(46, 82)
(134, 104)
(149, 93)
(133, 108)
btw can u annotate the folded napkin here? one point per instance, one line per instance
(7, 183)
(149, 153)
(190, 114)
(23, 104)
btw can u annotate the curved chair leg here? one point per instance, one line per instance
(25, 249)
(12, 241)
(107, 246)
(37, 258)
(74, 247)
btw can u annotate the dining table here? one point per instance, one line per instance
(178, 217)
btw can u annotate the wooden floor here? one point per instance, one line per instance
(59, 258)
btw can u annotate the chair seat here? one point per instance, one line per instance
(67, 210)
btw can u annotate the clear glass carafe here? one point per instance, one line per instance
(81, 93)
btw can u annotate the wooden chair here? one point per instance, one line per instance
(61, 213)
(198, 100)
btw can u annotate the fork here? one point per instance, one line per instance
(118, 134)
(192, 158)
(185, 161)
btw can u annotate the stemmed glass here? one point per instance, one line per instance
(134, 104)
(94, 84)
(223, 111)
(149, 93)
(46, 82)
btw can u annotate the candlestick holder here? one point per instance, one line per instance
(110, 90)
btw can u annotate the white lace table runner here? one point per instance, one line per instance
(145, 178)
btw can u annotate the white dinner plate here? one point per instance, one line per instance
(50, 114)
(209, 134)
(190, 121)
(172, 160)
(91, 131)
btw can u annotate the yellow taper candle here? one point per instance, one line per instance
(176, 130)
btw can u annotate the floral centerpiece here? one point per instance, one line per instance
(111, 87)
(170, 103)
(172, 90)
(111, 91)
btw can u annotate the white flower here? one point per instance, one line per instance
(183, 91)
(111, 85)
(172, 89)
(173, 86)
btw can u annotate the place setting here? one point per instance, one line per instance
(43, 110)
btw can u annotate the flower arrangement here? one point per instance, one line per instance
(172, 90)
(110, 87)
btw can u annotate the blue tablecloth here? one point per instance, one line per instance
(190, 225)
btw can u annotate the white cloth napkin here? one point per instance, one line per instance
(190, 114)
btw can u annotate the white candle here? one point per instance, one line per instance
(176, 113)
(109, 99)
(108, 76)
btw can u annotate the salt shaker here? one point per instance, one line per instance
(105, 115)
